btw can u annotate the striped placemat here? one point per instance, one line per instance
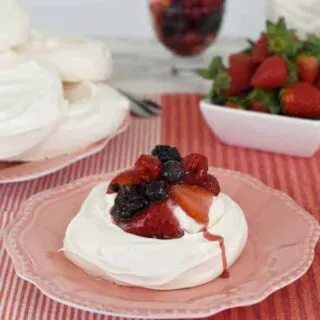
(180, 124)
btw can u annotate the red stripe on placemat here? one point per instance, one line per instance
(182, 125)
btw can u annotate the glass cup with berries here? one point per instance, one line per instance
(186, 28)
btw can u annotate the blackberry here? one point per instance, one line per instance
(166, 153)
(130, 201)
(157, 191)
(173, 171)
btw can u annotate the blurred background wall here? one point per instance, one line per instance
(129, 18)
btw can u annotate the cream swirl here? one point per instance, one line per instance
(14, 25)
(94, 243)
(76, 59)
(31, 104)
(95, 112)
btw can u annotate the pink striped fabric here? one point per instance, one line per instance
(181, 124)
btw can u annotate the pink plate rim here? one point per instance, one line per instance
(27, 217)
(60, 162)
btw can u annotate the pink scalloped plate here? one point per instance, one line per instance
(280, 249)
(32, 170)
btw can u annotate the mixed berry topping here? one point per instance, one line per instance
(147, 193)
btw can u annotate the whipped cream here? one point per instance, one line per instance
(95, 111)
(14, 25)
(76, 59)
(31, 104)
(98, 246)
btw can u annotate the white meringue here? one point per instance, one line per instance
(95, 111)
(14, 25)
(76, 59)
(98, 246)
(31, 104)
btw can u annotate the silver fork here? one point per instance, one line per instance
(141, 107)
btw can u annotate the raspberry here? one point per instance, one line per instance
(130, 201)
(151, 165)
(173, 171)
(212, 184)
(165, 153)
(196, 167)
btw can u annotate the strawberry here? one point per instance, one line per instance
(157, 221)
(317, 82)
(272, 73)
(131, 176)
(228, 81)
(260, 50)
(308, 66)
(194, 200)
(151, 165)
(196, 168)
(301, 100)
(240, 76)
(211, 183)
(264, 101)
(241, 58)
(259, 107)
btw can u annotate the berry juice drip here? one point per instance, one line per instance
(212, 237)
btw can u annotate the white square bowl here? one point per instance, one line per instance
(262, 131)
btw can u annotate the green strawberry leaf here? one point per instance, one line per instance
(221, 82)
(241, 101)
(215, 66)
(282, 40)
(205, 73)
(312, 46)
(267, 98)
(293, 72)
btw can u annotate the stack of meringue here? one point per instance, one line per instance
(52, 99)
(299, 14)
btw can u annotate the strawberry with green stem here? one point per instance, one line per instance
(301, 100)
(264, 101)
(260, 50)
(228, 81)
(308, 59)
(272, 73)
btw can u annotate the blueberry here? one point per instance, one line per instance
(129, 202)
(157, 191)
(173, 171)
(165, 153)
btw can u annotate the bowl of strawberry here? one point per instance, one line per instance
(268, 97)
(186, 27)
